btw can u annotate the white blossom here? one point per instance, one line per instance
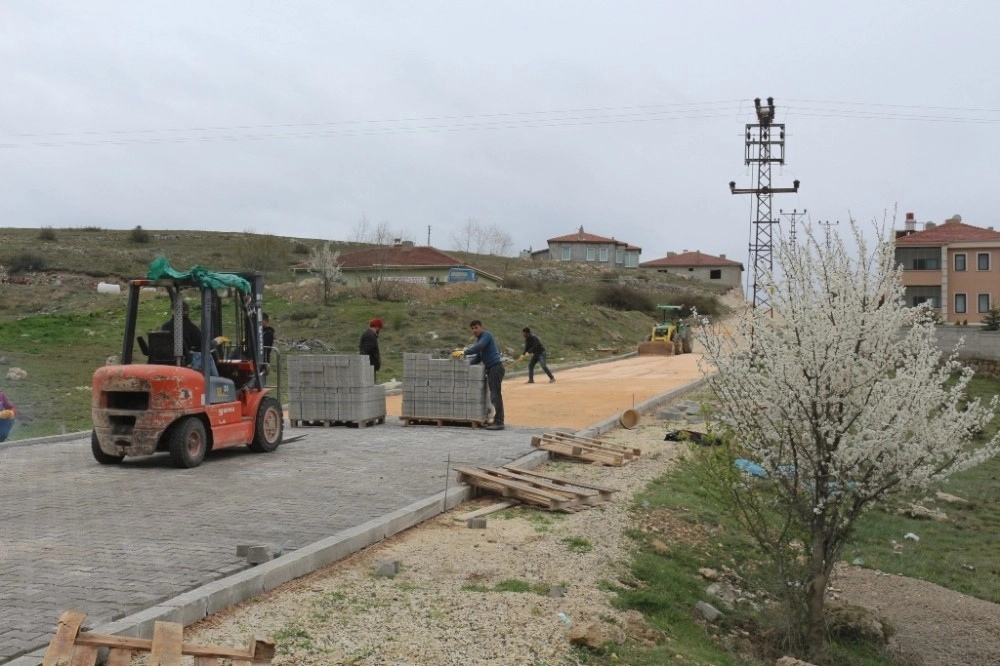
(840, 392)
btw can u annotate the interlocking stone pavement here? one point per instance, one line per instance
(114, 540)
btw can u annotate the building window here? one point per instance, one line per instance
(926, 264)
(604, 255)
(959, 262)
(960, 306)
(983, 304)
(631, 260)
(983, 261)
(715, 274)
(591, 254)
(566, 252)
(620, 256)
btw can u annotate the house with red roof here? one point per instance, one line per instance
(584, 247)
(699, 265)
(406, 262)
(952, 266)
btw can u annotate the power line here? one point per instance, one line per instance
(538, 119)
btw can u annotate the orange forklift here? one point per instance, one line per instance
(182, 400)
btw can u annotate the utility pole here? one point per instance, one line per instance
(765, 145)
(791, 218)
(428, 235)
(826, 228)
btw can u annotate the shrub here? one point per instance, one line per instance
(300, 248)
(138, 235)
(91, 228)
(47, 234)
(24, 262)
(620, 297)
(991, 322)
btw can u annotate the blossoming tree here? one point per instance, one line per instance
(842, 397)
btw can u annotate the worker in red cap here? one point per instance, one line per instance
(369, 343)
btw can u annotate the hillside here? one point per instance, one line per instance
(56, 327)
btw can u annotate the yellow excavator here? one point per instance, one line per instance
(664, 337)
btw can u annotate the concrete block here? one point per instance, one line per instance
(386, 567)
(476, 523)
(259, 554)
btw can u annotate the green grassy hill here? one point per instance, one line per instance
(56, 327)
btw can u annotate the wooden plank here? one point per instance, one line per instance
(520, 491)
(597, 442)
(71, 647)
(84, 655)
(590, 455)
(166, 646)
(486, 510)
(262, 649)
(588, 444)
(603, 490)
(585, 495)
(60, 648)
(120, 657)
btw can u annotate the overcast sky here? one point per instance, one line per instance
(625, 117)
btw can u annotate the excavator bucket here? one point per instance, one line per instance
(656, 348)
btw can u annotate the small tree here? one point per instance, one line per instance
(324, 261)
(139, 235)
(843, 398)
(991, 322)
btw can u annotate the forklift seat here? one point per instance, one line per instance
(160, 348)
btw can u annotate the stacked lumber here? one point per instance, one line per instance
(585, 448)
(544, 490)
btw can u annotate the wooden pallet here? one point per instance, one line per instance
(628, 452)
(580, 450)
(72, 647)
(326, 423)
(441, 421)
(557, 500)
(592, 493)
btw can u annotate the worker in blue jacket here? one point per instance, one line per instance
(485, 351)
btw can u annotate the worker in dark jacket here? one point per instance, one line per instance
(369, 343)
(533, 346)
(191, 335)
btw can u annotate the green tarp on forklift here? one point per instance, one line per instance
(160, 268)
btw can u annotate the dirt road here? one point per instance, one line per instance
(583, 396)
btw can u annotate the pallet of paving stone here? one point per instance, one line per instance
(70, 645)
(578, 450)
(628, 452)
(585, 494)
(530, 493)
(327, 423)
(441, 421)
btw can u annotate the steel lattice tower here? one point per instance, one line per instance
(765, 145)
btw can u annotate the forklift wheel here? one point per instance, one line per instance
(188, 442)
(268, 428)
(99, 455)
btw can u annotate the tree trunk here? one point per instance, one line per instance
(815, 599)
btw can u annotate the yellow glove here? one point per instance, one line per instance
(521, 357)
(220, 340)
(7, 414)
(458, 353)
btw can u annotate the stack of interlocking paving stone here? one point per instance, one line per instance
(443, 389)
(333, 387)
